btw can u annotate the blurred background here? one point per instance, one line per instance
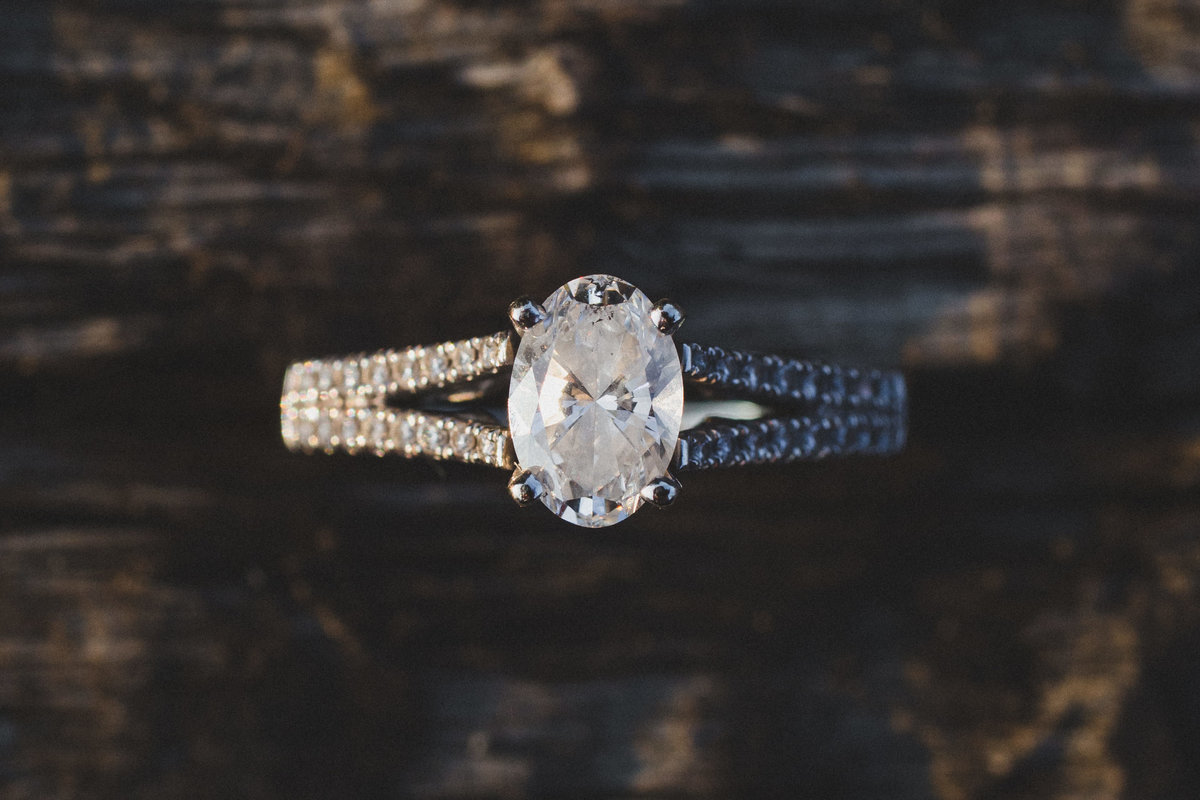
(1001, 198)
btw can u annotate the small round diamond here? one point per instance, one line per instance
(380, 432)
(435, 366)
(380, 373)
(324, 431)
(350, 376)
(404, 370)
(350, 430)
(434, 438)
(404, 433)
(325, 376)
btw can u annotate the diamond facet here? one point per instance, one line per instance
(595, 400)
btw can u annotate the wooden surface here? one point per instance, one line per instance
(1001, 197)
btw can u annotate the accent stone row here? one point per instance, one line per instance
(394, 431)
(407, 371)
(718, 443)
(340, 404)
(812, 385)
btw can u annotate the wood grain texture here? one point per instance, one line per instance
(1001, 198)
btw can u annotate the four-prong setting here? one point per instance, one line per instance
(524, 313)
(667, 316)
(595, 400)
(525, 488)
(661, 492)
(595, 404)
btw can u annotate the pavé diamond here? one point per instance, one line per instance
(595, 400)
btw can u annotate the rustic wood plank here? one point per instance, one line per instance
(1000, 199)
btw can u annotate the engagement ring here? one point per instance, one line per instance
(595, 424)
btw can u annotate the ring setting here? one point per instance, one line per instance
(594, 425)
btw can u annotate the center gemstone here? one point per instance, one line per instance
(595, 400)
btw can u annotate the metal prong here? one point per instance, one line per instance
(661, 491)
(666, 316)
(524, 487)
(525, 313)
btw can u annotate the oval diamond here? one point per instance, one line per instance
(595, 400)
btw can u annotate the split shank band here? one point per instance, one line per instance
(816, 410)
(346, 404)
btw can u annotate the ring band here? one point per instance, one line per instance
(342, 404)
(570, 412)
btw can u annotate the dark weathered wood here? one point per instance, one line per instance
(1002, 198)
